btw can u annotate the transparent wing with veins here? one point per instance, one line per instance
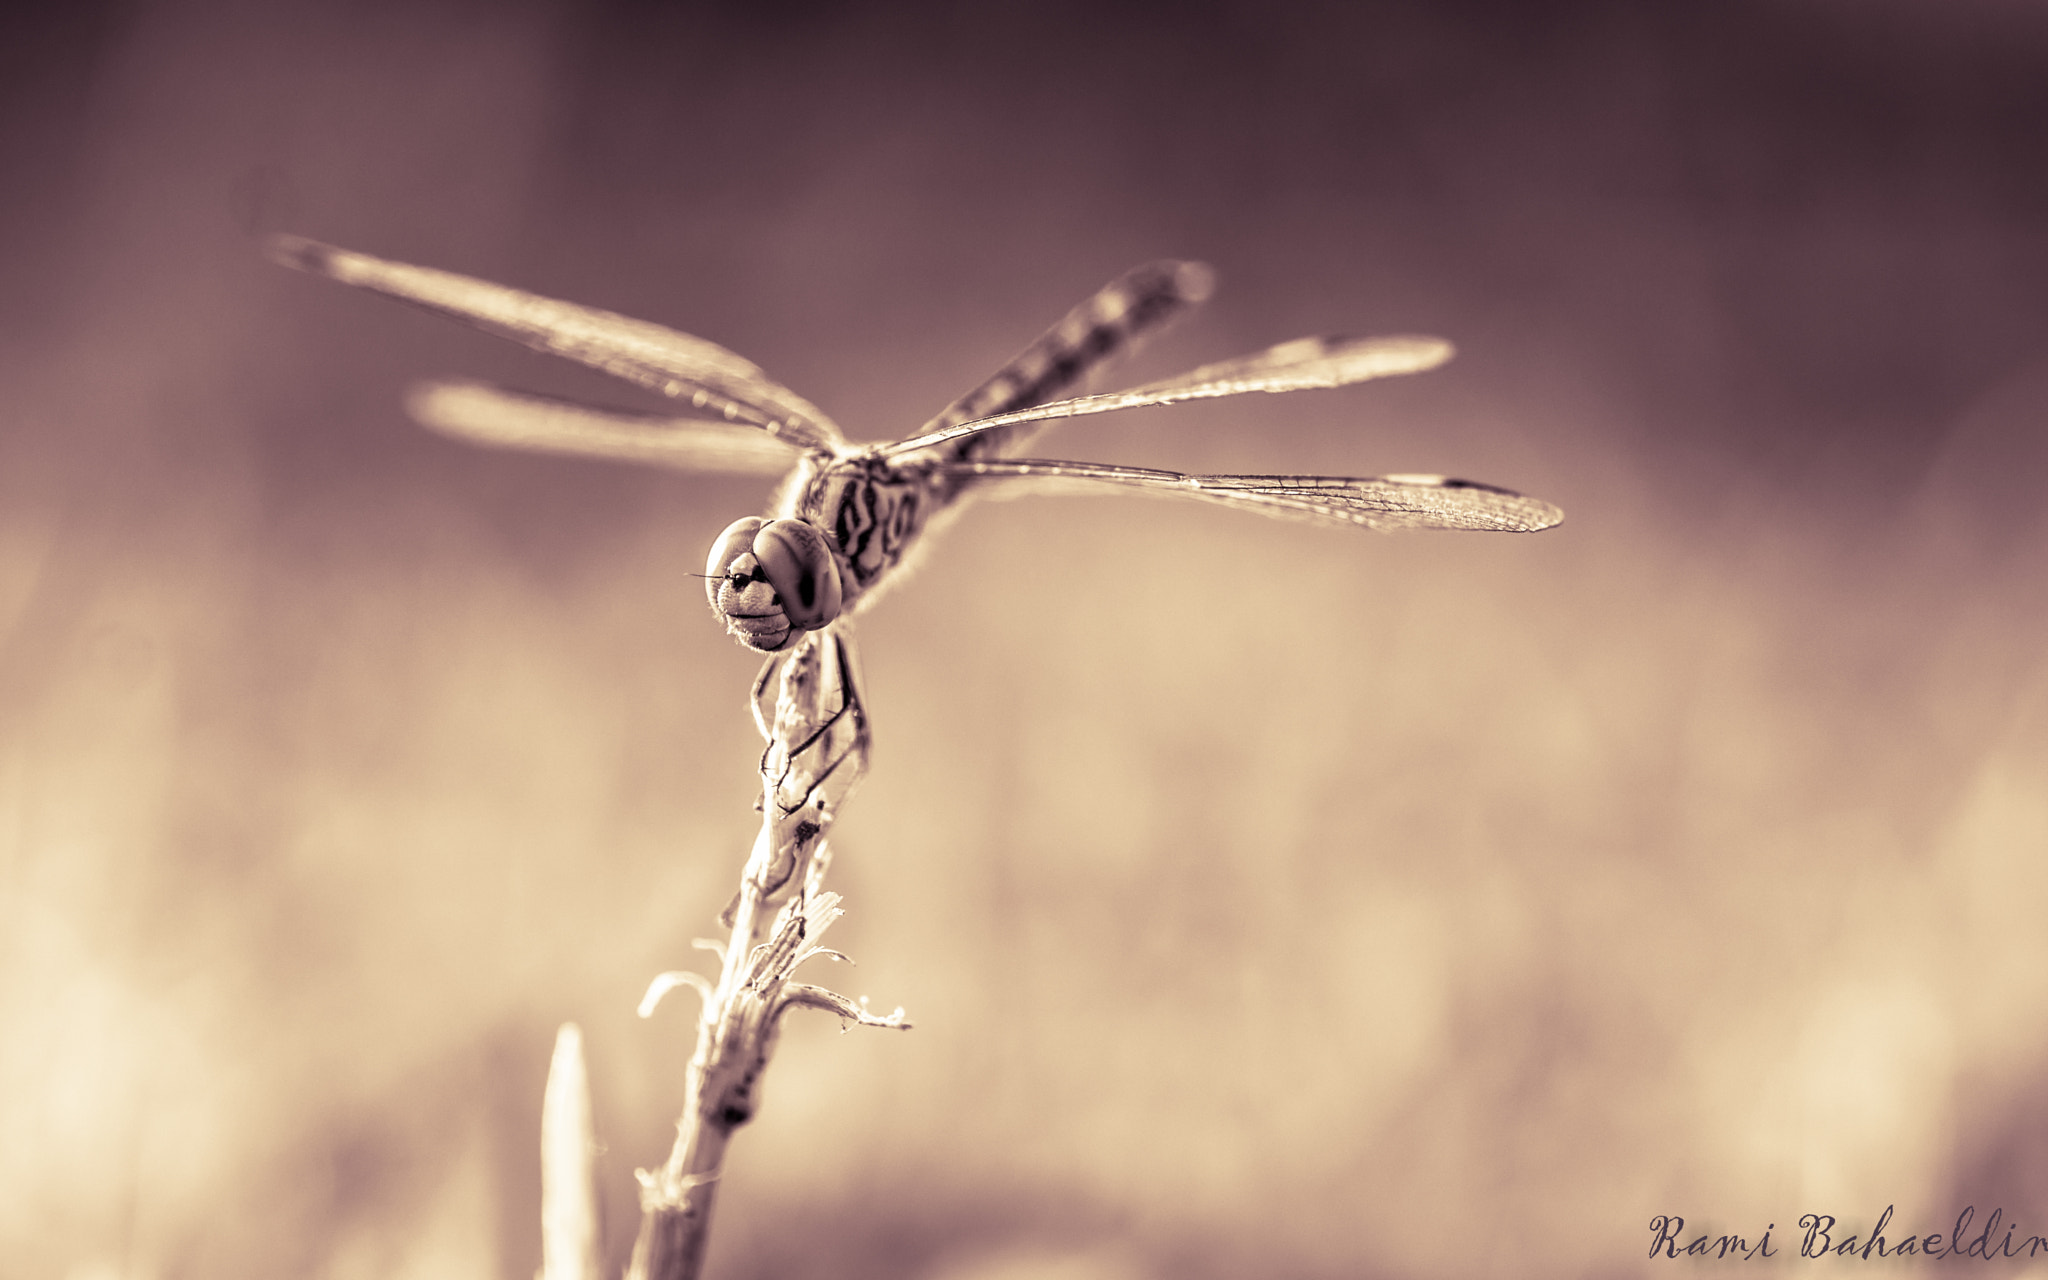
(1300, 365)
(648, 355)
(1380, 502)
(484, 414)
(762, 422)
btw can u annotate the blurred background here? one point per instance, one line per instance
(1269, 900)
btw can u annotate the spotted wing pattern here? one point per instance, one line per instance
(1301, 365)
(1381, 502)
(647, 355)
(1137, 302)
(484, 414)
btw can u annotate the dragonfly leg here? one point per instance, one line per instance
(762, 720)
(788, 717)
(817, 751)
(855, 709)
(845, 734)
(818, 746)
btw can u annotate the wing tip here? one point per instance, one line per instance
(426, 402)
(1401, 352)
(299, 253)
(1534, 515)
(1431, 352)
(453, 407)
(1193, 281)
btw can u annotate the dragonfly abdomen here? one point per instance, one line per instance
(1140, 300)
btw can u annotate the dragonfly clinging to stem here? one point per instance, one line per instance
(848, 514)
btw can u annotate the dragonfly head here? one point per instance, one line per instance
(772, 580)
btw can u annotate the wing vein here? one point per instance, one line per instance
(1301, 365)
(648, 355)
(1376, 502)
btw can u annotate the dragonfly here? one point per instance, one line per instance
(848, 516)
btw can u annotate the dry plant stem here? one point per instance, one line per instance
(817, 750)
(675, 1222)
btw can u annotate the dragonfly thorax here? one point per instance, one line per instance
(772, 580)
(873, 507)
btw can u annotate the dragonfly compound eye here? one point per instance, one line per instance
(736, 541)
(798, 564)
(740, 592)
(772, 580)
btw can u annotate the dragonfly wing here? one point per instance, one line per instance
(484, 414)
(1380, 502)
(1300, 365)
(1135, 303)
(647, 355)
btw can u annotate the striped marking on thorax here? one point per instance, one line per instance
(873, 511)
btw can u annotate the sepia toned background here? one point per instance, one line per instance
(1270, 901)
